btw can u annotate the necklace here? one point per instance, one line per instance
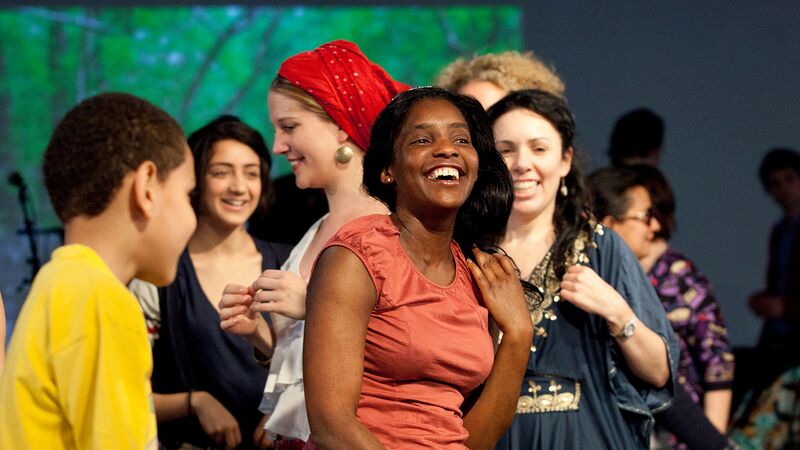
(544, 278)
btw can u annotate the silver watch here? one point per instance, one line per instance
(627, 329)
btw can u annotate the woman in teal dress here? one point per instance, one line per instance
(603, 353)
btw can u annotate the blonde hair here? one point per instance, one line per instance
(307, 101)
(510, 71)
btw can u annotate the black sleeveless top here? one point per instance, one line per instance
(193, 353)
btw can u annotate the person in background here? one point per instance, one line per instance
(603, 356)
(637, 138)
(779, 303)
(208, 395)
(622, 201)
(322, 105)
(768, 415)
(772, 420)
(490, 77)
(397, 299)
(119, 174)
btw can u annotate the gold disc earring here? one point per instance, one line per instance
(343, 154)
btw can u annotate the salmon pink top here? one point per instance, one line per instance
(427, 346)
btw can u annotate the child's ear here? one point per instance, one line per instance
(144, 188)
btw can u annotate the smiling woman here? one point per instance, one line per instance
(208, 395)
(430, 176)
(408, 314)
(322, 104)
(603, 354)
(623, 204)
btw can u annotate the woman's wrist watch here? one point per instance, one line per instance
(626, 331)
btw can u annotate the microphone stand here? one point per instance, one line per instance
(16, 179)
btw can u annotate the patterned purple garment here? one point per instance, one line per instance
(706, 361)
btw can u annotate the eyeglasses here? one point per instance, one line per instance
(643, 216)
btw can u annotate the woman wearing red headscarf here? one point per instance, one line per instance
(322, 105)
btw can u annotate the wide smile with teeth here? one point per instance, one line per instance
(525, 185)
(237, 203)
(444, 174)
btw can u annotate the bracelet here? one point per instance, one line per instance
(261, 359)
(189, 403)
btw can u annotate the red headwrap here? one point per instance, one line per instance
(351, 88)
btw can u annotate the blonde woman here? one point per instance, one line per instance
(322, 105)
(490, 77)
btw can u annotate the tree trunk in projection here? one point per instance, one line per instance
(57, 48)
(452, 38)
(236, 26)
(88, 76)
(259, 62)
(9, 215)
(6, 152)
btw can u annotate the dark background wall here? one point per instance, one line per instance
(721, 73)
(723, 76)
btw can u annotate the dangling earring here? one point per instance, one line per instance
(564, 191)
(386, 178)
(343, 154)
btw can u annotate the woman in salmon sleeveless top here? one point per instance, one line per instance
(398, 320)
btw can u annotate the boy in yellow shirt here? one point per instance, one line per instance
(77, 374)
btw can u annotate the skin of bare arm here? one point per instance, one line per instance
(645, 351)
(341, 296)
(717, 406)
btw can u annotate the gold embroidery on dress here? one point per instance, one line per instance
(544, 278)
(551, 402)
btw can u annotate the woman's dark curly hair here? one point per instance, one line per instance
(482, 219)
(223, 128)
(573, 211)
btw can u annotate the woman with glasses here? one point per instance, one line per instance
(602, 356)
(638, 203)
(622, 203)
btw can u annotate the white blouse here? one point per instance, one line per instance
(284, 398)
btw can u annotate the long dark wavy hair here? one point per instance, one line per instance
(572, 214)
(482, 219)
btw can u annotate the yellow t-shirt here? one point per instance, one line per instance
(77, 373)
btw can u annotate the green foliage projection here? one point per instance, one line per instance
(199, 62)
